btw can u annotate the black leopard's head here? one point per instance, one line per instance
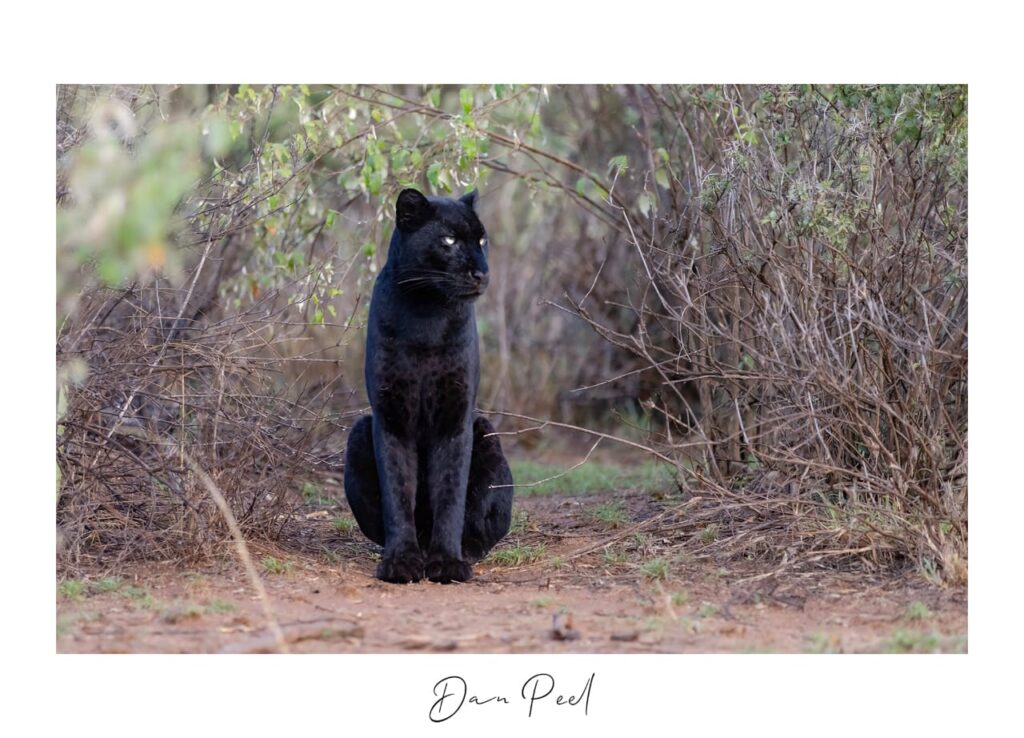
(439, 247)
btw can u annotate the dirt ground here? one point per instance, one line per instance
(543, 590)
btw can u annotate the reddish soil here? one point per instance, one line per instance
(564, 601)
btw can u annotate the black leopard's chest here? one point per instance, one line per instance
(424, 393)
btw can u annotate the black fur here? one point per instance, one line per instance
(422, 476)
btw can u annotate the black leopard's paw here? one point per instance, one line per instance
(402, 566)
(446, 570)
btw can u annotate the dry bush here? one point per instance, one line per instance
(801, 316)
(160, 392)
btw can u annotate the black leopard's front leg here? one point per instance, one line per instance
(447, 475)
(402, 560)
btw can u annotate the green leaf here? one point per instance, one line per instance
(329, 220)
(434, 174)
(435, 97)
(619, 163)
(661, 177)
(645, 203)
(466, 99)
(581, 186)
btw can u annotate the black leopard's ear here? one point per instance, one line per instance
(470, 199)
(412, 210)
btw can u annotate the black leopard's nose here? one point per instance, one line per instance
(479, 277)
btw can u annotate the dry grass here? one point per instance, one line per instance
(158, 393)
(801, 310)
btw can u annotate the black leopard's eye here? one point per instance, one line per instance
(483, 241)
(448, 241)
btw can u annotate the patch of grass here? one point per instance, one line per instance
(541, 602)
(139, 596)
(912, 641)
(71, 589)
(709, 534)
(680, 598)
(643, 543)
(653, 624)
(101, 586)
(517, 555)
(273, 565)
(707, 609)
(614, 556)
(557, 562)
(918, 611)
(312, 495)
(610, 514)
(519, 521)
(822, 643)
(589, 478)
(655, 569)
(178, 612)
(344, 525)
(219, 607)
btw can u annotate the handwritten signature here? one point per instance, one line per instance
(452, 693)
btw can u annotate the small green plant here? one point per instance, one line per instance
(182, 611)
(822, 643)
(344, 525)
(273, 565)
(643, 543)
(930, 571)
(680, 598)
(610, 514)
(519, 521)
(656, 569)
(917, 610)
(219, 607)
(707, 609)
(313, 496)
(709, 534)
(102, 586)
(541, 602)
(517, 555)
(71, 589)
(910, 641)
(614, 556)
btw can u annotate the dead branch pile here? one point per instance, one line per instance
(160, 391)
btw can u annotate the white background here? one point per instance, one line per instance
(47, 694)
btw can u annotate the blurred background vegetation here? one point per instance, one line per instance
(764, 285)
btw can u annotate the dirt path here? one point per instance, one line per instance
(537, 593)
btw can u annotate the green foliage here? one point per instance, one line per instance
(517, 555)
(344, 525)
(591, 477)
(656, 569)
(917, 610)
(71, 589)
(610, 514)
(273, 565)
